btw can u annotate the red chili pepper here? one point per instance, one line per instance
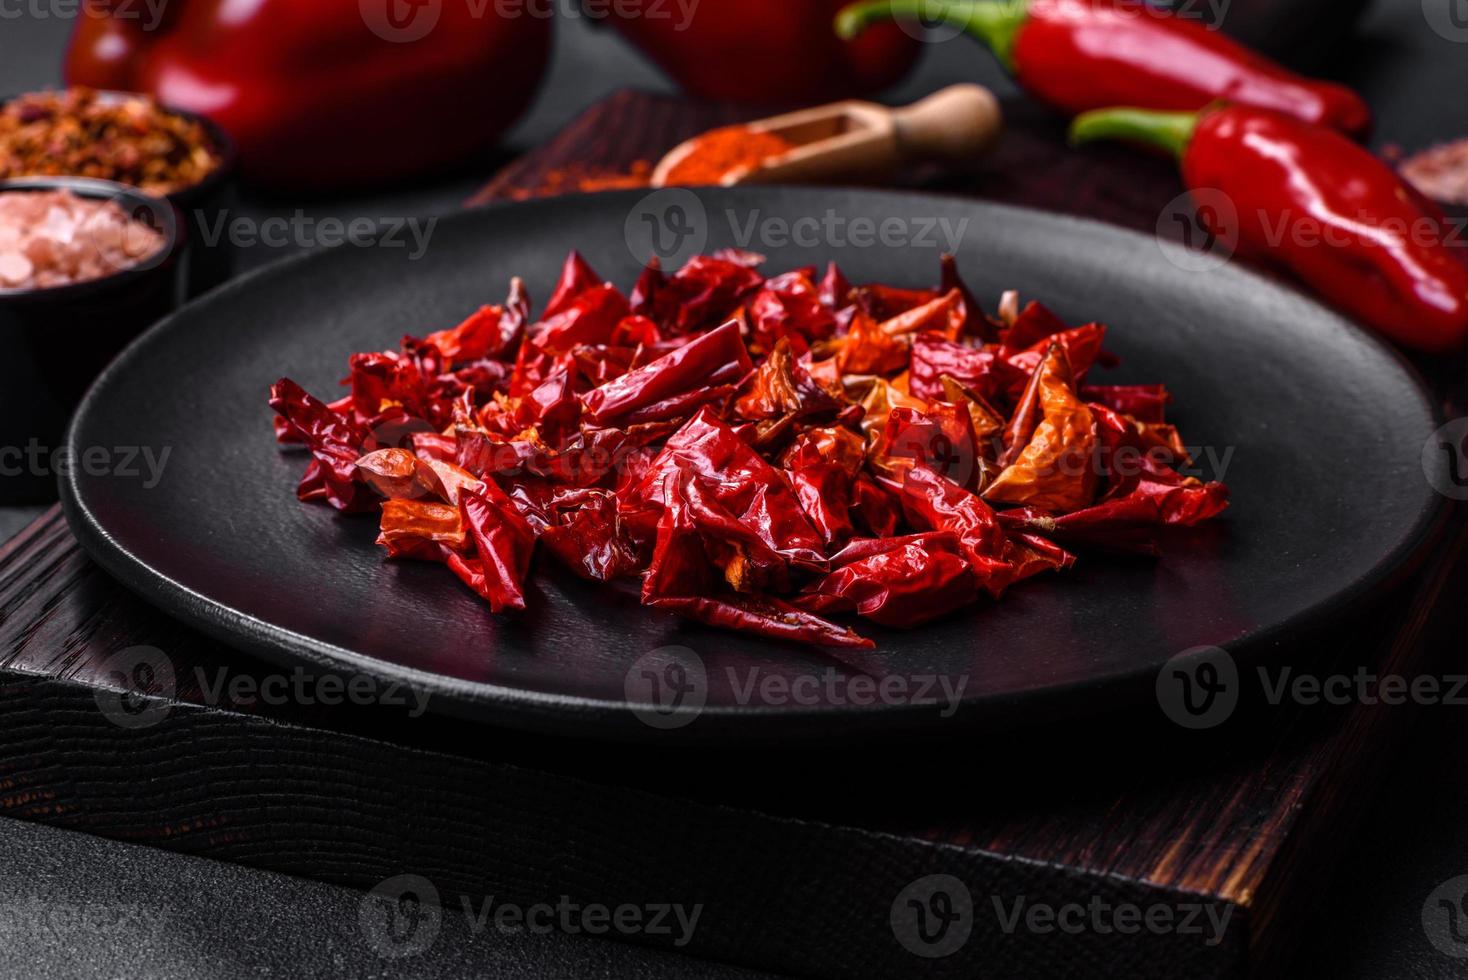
(908, 583)
(783, 386)
(1313, 202)
(716, 358)
(766, 52)
(335, 440)
(503, 542)
(790, 306)
(985, 371)
(1077, 55)
(590, 538)
(319, 94)
(934, 502)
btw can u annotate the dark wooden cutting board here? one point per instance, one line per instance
(799, 857)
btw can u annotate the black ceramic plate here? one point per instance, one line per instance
(1322, 428)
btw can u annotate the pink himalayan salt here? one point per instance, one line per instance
(54, 238)
(1441, 172)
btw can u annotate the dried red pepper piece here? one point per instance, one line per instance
(975, 324)
(591, 318)
(577, 277)
(1055, 466)
(1145, 403)
(790, 306)
(751, 489)
(934, 502)
(421, 529)
(868, 349)
(940, 437)
(982, 370)
(717, 357)
(335, 440)
(783, 386)
(907, 584)
(590, 538)
(504, 543)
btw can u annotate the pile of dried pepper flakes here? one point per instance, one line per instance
(755, 453)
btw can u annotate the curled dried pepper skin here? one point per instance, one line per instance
(591, 540)
(979, 369)
(934, 502)
(1055, 469)
(904, 586)
(718, 356)
(868, 349)
(415, 528)
(825, 492)
(783, 386)
(790, 308)
(397, 474)
(335, 440)
(1145, 403)
(940, 438)
(577, 277)
(752, 489)
(591, 318)
(975, 324)
(503, 542)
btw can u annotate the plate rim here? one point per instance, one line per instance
(582, 716)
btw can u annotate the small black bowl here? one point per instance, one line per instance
(55, 341)
(204, 206)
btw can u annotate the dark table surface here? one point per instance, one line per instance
(158, 914)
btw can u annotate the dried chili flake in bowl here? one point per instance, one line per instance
(57, 238)
(756, 453)
(129, 139)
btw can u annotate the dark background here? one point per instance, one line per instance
(199, 918)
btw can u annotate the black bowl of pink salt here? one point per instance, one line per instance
(85, 266)
(135, 140)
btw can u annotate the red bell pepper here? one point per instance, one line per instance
(1077, 55)
(1327, 210)
(765, 51)
(319, 94)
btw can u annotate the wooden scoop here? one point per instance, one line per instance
(863, 140)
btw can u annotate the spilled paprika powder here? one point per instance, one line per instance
(720, 153)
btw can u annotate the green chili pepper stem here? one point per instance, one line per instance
(1171, 131)
(995, 22)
